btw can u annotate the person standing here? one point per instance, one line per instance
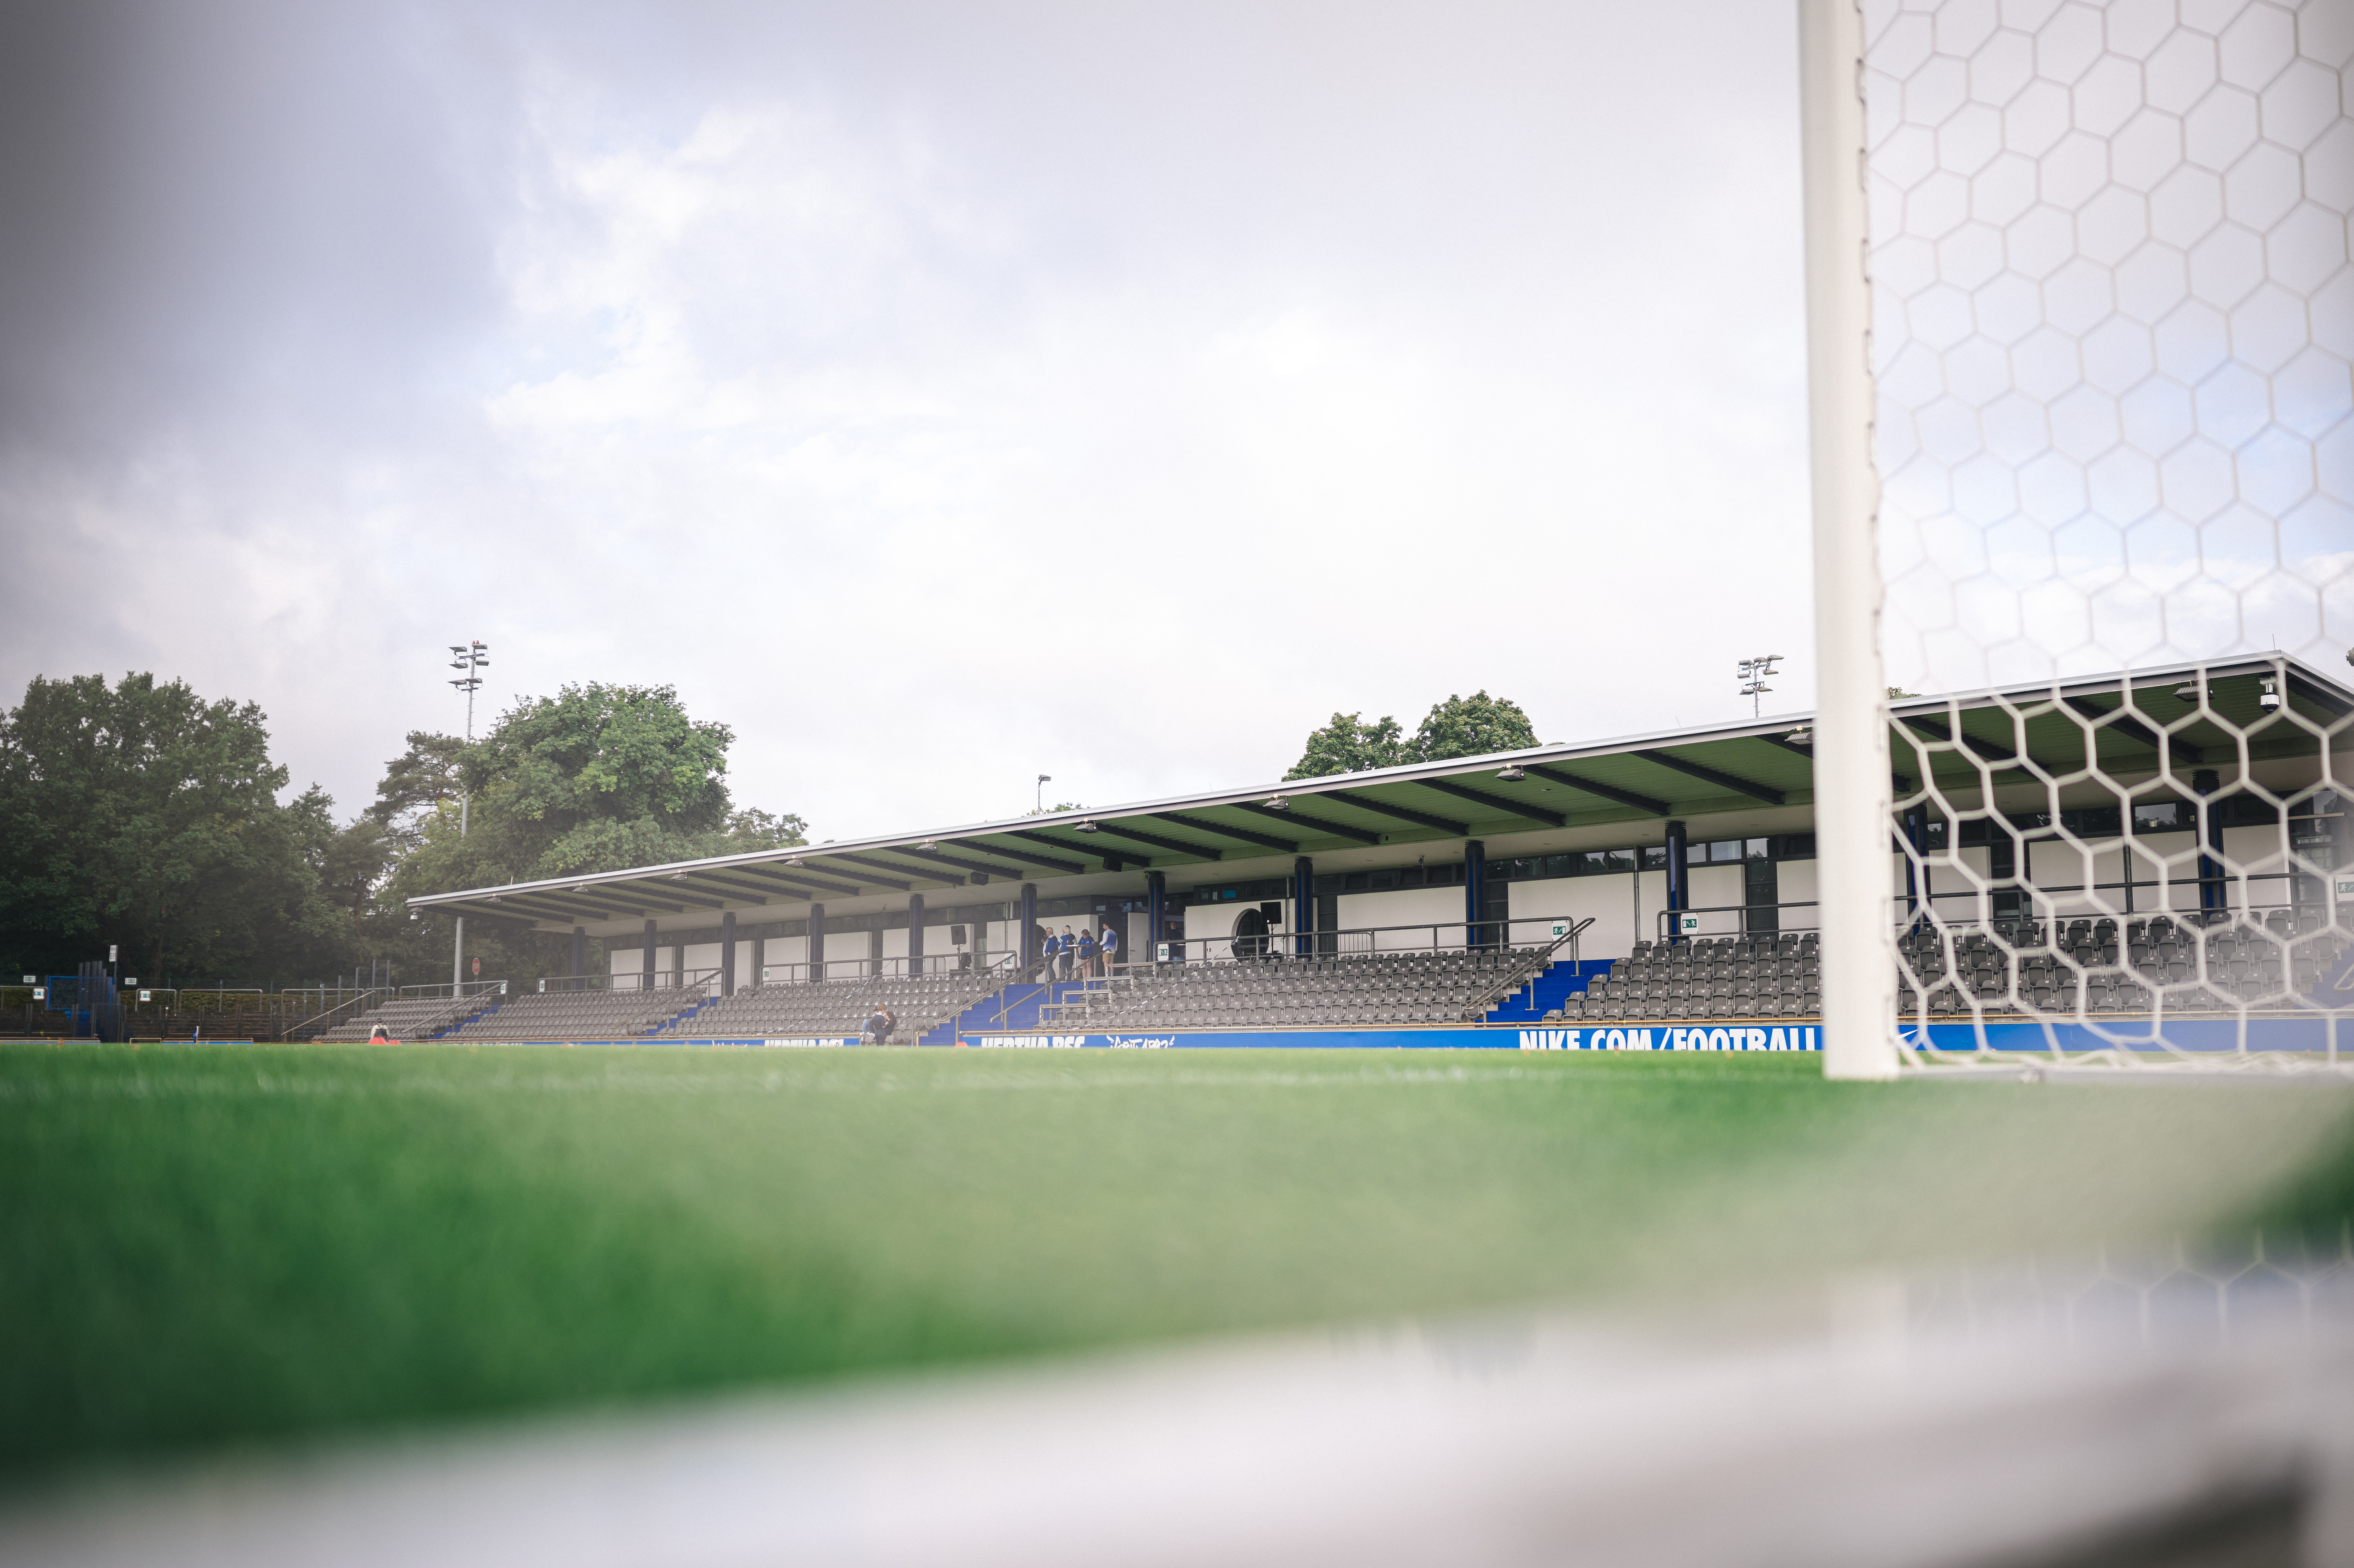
(1070, 954)
(1107, 944)
(1049, 955)
(1087, 955)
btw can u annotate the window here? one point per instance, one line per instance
(1757, 849)
(2160, 817)
(1724, 850)
(1655, 857)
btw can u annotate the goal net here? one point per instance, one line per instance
(2081, 318)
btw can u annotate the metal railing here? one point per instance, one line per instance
(1373, 941)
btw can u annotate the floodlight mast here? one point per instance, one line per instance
(1753, 679)
(469, 657)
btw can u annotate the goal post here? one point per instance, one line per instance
(2080, 313)
(1852, 799)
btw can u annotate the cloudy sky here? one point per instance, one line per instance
(939, 395)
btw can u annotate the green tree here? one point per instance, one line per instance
(141, 815)
(597, 778)
(1475, 726)
(1349, 744)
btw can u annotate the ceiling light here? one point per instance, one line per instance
(928, 844)
(1802, 736)
(2269, 698)
(1087, 827)
(2187, 693)
(1510, 774)
(678, 877)
(794, 860)
(1278, 804)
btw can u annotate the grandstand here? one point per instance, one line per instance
(408, 1018)
(2131, 846)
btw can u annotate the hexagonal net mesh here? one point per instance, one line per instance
(2112, 317)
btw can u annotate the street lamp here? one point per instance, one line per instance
(466, 658)
(1043, 779)
(1753, 679)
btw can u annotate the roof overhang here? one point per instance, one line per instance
(1967, 744)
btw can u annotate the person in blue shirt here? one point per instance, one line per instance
(1087, 955)
(1049, 956)
(1107, 944)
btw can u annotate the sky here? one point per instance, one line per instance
(937, 395)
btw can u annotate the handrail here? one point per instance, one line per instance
(1521, 974)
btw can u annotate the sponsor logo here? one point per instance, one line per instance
(1139, 1041)
(1029, 1042)
(1804, 1038)
(804, 1043)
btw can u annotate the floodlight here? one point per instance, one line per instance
(1802, 736)
(1087, 827)
(1511, 774)
(928, 844)
(2269, 698)
(1278, 804)
(2187, 693)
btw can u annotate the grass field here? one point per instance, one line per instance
(206, 1245)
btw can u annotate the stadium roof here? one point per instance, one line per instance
(1965, 742)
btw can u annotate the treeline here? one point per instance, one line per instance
(142, 816)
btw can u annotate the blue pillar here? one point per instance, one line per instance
(648, 982)
(1916, 838)
(1679, 878)
(1475, 892)
(817, 942)
(2211, 846)
(727, 953)
(915, 932)
(579, 957)
(1303, 906)
(1026, 929)
(1156, 905)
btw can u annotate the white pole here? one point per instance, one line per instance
(1852, 802)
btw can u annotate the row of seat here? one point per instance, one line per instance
(578, 1015)
(408, 1018)
(1337, 990)
(920, 1003)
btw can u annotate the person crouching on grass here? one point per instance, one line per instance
(879, 1024)
(380, 1035)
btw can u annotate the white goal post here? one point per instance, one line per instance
(2081, 355)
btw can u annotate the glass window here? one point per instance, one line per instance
(1385, 879)
(1725, 850)
(1355, 882)
(1557, 865)
(1655, 857)
(1757, 849)
(1801, 846)
(1594, 862)
(2159, 816)
(1619, 860)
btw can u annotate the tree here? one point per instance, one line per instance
(1349, 744)
(143, 816)
(1475, 726)
(1459, 726)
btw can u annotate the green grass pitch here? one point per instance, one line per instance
(211, 1245)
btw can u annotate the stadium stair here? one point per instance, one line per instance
(1552, 987)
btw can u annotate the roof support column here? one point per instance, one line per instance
(1025, 929)
(1916, 840)
(759, 968)
(1156, 912)
(647, 983)
(1475, 893)
(1303, 906)
(915, 932)
(1678, 879)
(816, 954)
(579, 957)
(2211, 847)
(727, 953)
